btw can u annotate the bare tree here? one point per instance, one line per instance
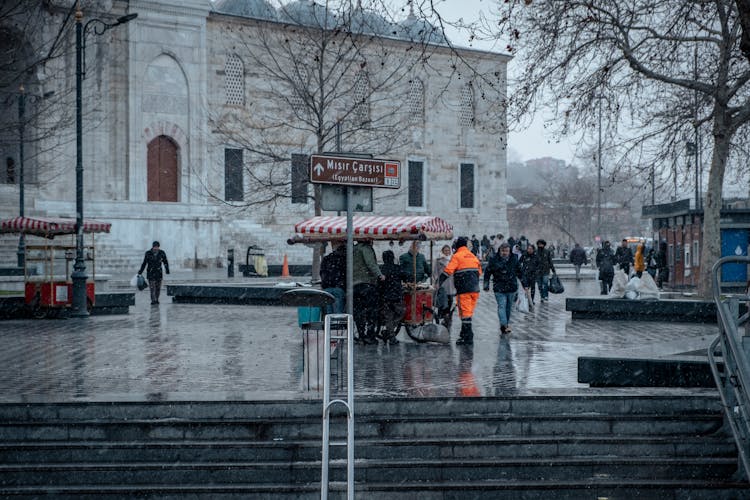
(659, 68)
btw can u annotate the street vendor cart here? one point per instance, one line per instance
(49, 258)
(417, 297)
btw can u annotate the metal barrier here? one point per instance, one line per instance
(733, 380)
(348, 404)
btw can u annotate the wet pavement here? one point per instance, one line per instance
(228, 352)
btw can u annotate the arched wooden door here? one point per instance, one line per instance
(163, 174)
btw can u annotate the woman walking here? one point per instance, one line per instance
(505, 271)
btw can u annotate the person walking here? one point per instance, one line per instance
(578, 258)
(365, 275)
(639, 261)
(153, 262)
(651, 266)
(333, 276)
(391, 295)
(466, 270)
(624, 257)
(529, 269)
(605, 261)
(446, 293)
(504, 270)
(545, 268)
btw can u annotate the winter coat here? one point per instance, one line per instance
(578, 256)
(605, 261)
(406, 261)
(364, 265)
(624, 256)
(529, 268)
(639, 261)
(545, 262)
(465, 269)
(504, 273)
(437, 270)
(391, 290)
(333, 269)
(153, 262)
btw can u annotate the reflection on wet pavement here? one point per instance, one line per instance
(173, 351)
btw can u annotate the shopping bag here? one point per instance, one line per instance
(555, 285)
(522, 303)
(134, 281)
(141, 282)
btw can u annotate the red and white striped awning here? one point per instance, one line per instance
(49, 227)
(419, 227)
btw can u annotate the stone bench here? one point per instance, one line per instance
(691, 311)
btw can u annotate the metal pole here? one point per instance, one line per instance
(653, 184)
(695, 127)
(21, 202)
(79, 268)
(599, 176)
(350, 253)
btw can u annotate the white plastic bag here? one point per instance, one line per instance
(522, 303)
(134, 281)
(619, 282)
(647, 288)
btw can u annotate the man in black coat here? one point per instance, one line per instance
(624, 257)
(152, 262)
(505, 271)
(578, 258)
(545, 268)
(605, 261)
(333, 276)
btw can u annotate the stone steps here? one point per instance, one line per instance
(641, 445)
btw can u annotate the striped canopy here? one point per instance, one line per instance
(419, 227)
(49, 227)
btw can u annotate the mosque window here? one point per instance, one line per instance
(234, 80)
(233, 184)
(466, 109)
(361, 97)
(467, 185)
(416, 101)
(300, 177)
(416, 183)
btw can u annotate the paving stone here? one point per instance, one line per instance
(175, 352)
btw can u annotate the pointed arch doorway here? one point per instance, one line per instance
(163, 173)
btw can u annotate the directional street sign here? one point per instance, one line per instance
(355, 171)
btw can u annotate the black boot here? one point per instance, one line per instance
(466, 337)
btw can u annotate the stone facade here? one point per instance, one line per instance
(169, 75)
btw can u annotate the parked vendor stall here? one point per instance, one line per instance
(417, 297)
(49, 261)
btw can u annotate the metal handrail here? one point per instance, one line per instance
(348, 404)
(734, 382)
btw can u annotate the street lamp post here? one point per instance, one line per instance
(79, 267)
(21, 131)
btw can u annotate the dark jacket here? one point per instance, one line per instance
(504, 274)
(578, 256)
(153, 261)
(624, 256)
(661, 256)
(529, 268)
(406, 262)
(391, 289)
(545, 261)
(605, 261)
(333, 269)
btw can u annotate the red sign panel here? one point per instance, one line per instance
(355, 171)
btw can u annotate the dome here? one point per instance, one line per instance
(419, 30)
(258, 9)
(362, 21)
(307, 13)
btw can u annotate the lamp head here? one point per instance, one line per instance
(127, 18)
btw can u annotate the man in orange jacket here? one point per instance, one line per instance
(466, 270)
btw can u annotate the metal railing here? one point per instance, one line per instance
(733, 380)
(348, 404)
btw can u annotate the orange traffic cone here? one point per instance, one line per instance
(285, 268)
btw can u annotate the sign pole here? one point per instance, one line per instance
(349, 254)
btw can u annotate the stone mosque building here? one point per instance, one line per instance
(197, 117)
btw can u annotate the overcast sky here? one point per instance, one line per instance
(534, 141)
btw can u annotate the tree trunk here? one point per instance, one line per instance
(711, 251)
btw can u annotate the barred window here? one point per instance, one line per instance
(233, 184)
(467, 185)
(466, 108)
(300, 177)
(298, 89)
(416, 184)
(362, 98)
(234, 80)
(416, 101)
